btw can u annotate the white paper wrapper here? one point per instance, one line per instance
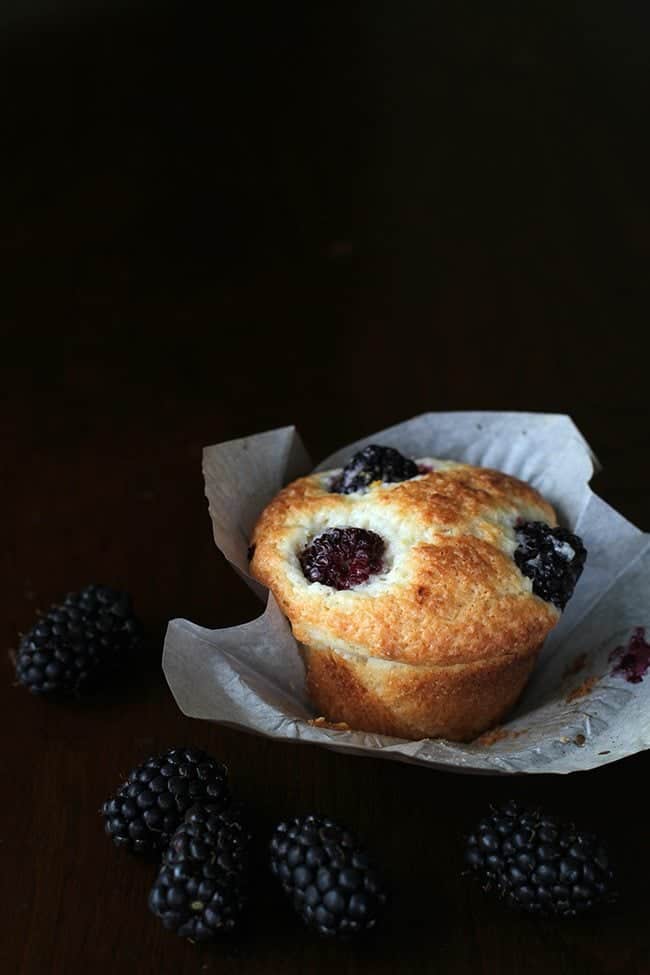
(251, 676)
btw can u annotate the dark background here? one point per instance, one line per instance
(336, 215)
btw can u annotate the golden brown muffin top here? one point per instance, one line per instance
(449, 592)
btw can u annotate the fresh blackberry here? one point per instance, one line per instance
(343, 557)
(538, 863)
(373, 463)
(328, 876)
(150, 805)
(552, 557)
(200, 890)
(79, 643)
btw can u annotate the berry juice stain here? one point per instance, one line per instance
(633, 660)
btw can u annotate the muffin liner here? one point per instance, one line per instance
(580, 708)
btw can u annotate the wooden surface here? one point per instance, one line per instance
(338, 217)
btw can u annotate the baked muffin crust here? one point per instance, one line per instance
(450, 592)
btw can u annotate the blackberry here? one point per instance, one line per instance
(373, 463)
(538, 863)
(79, 643)
(328, 876)
(150, 805)
(552, 557)
(200, 890)
(343, 557)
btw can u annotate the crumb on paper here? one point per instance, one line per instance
(576, 665)
(579, 740)
(322, 722)
(498, 734)
(492, 737)
(582, 690)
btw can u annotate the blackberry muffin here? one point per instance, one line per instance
(420, 591)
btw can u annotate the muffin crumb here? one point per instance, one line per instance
(322, 722)
(498, 734)
(582, 690)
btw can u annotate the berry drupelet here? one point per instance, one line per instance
(539, 864)
(329, 877)
(146, 810)
(552, 557)
(343, 557)
(200, 891)
(79, 642)
(373, 463)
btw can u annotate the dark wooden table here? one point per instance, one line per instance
(338, 216)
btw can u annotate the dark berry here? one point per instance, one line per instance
(79, 643)
(200, 890)
(538, 863)
(329, 877)
(373, 463)
(343, 557)
(552, 557)
(151, 804)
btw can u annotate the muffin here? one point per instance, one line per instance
(420, 591)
